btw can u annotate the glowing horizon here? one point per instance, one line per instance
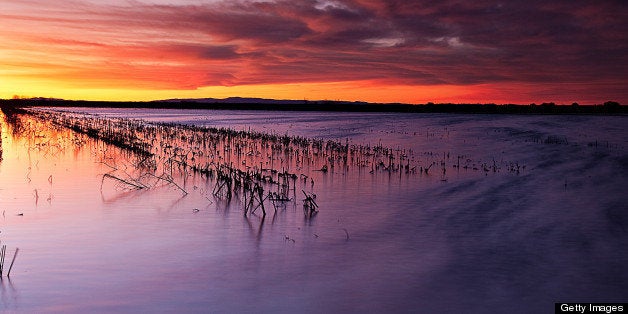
(353, 50)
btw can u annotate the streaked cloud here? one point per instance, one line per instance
(193, 44)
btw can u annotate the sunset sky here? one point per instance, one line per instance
(367, 50)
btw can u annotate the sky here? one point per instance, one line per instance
(356, 50)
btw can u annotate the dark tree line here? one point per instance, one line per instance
(609, 107)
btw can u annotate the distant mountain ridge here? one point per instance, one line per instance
(265, 101)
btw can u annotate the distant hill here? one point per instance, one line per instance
(265, 101)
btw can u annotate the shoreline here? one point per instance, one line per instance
(608, 108)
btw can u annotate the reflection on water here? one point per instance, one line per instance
(462, 239)
(9, 295)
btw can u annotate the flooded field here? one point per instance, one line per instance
(260, 211)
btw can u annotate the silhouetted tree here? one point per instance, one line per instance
(611, 104)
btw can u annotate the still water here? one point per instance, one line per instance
(539, 215)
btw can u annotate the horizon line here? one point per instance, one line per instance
(267, 101)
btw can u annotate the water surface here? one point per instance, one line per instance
(459, 240)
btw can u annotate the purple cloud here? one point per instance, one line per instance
(404, 42)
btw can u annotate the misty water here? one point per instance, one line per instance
(519, 212)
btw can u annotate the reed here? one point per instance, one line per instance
(3, 252)
(120, 180)
(13, 261)
(310, 207)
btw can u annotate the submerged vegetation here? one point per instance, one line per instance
(260, 170)
(256, 167)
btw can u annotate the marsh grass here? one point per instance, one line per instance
(254, 167)
(3, 253)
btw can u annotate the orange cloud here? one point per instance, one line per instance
(388, 51)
